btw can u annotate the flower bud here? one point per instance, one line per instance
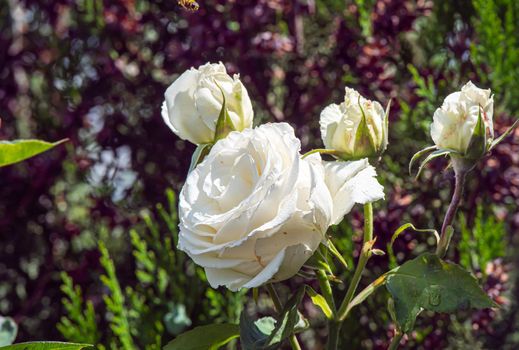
(463, 123)
(194, 101)
(357, 128)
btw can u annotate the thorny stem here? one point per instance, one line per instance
(460, 174)
(279, 308)
(334, 325)
(326, 289)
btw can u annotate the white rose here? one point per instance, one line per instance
(193, 103)
(340, 127)
(455, 121)
(350, 183)
(253, 211)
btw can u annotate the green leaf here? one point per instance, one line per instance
(409, 225)
(46, 345)
(429, 283)
(224, 125)
(200, 152)
(260, 335)
(8, 331)
(289, 318)
(419, 154)
(15, 151)
(210, 337)
(254, 335)
(478, 141)
(319, 301)
(505, 134)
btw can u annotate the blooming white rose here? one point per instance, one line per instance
(455, 121)
(253, 211)
(345, 130)
(194, 100)
(350, 183)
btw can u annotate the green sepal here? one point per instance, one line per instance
(429, 283)
(364, 145)
(505, 134)
(335, 252)
(419, 154)
(435, 154)
(200, 152)
(411, 226)
(224, 124)
(477, 147)
(385, 128)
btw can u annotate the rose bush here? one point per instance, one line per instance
(254, 211)
(356, 128)
(194, 100)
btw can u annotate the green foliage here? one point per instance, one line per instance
(267, 333)
(210, 337)
(8, 330)
(428, 283)
(482, 243)
(365, 8)
(16, 151)
(497, 47)
(46, 346)
(115, 301)
(163, 303)
(80, 324)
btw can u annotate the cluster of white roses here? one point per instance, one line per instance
(254, 209)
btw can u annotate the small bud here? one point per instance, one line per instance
(463, 123)
(194, 102)
(355, 129)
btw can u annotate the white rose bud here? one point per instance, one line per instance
(355, 129)
(193, 103)
(455, 125)
(253, 211)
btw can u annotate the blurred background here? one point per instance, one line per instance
(88, 230)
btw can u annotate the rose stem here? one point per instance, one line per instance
(333, 324)
(460, 174)
(365, 254)
(279, 307)
(395, 342)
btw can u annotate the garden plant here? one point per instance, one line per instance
(262, 174)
